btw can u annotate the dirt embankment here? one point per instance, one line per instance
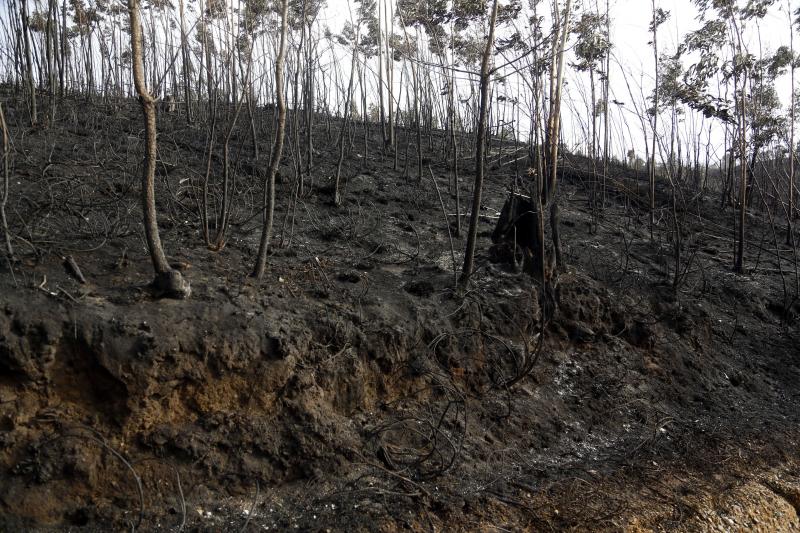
(321, 406)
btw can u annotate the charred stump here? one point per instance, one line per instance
(516, 236)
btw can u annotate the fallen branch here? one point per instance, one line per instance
(73, 269)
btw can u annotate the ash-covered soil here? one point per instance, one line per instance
(353, 388)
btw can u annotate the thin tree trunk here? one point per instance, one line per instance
(792, 103)
(554, 134)
(652, 192)
(739, 258)
(390, 77)
(606, 91)
(277, 148)
(28, 61)
(345, 121)
(480, 146)
(187, 107)
(51, 42)
(169, 281)
(380, 77)
(63, 64)
(6, 181)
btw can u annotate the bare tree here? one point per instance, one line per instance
(277, 148)
(792, 111)
(480, 146)
(560, 36)
(6, 180)
(28, 60)
(168, 281)
(659, 17)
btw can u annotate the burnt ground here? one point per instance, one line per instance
(353, 389)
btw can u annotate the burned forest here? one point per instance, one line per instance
(399, 265)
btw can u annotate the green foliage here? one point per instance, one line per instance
(766, 119)
(593, 42)
(659, 17)
(670, 87)
(84, 17)
(706, 43)
(303, 12)
(254, 15)
(458, 25)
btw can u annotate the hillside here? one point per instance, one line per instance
(353, 388)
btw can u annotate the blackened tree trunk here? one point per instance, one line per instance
(554, 132)
(28, 61)
(168, 281)
(792, 101)
(277, 148)
(480, 146)
(4, 190)
(652, 176)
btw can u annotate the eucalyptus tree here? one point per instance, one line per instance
(303, 15)
(369, 46)
(670, 72)
(28, 61)
(186, 64)
(458, 26)
(168, 281)
(207, 51)
(767, 120)
(409, 15)
(380, 44)
(606, 97)
(390, 43)
(744, 71)
(666, 97)
(277, 147)
(793, 23)
(349, 37)
(542, 56)
(441, 26)
(46, 23)
(592, 49)
(5, 188)
(659, 16)
(559, 37)
(480, 146)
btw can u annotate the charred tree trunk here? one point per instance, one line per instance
(554, 134)
(652, 177)
(4, 190)
(480, 146)
(28, 61)
(168, 281)
(277, 148)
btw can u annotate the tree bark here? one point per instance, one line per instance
(343, 134)
(168, 281)
(554, 134)
(4, 196)
(187, 107)
(792, 103)
(480, 145)
(28, 61)
(652, 177)
(277, 148)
